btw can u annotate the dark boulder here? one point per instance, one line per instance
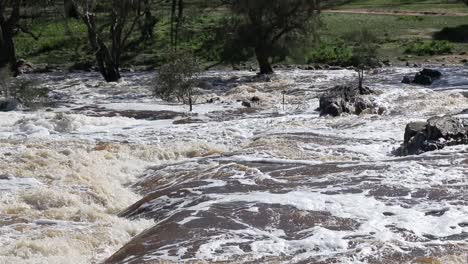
(424, 77)
(255, 99)
(7, 105)
(436, 133)
(361, 104)
(246, 104)
(344, 99)
(407, 80)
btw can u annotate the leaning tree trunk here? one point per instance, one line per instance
(263, 61)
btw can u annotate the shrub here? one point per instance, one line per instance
(453, 34)
(422, 48)
(334, 53)
(178, 79)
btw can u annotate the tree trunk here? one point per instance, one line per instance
(361, 78)
(7, 45)
(190, 103)
(108, 67)
(7, 50)
(263, 62)
(70, 9)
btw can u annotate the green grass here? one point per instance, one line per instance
(423, 48)
(393, 32)
(446, 6)
(54, 45)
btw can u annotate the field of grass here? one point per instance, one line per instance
(65, 44)
(394, 32)
(445, 6)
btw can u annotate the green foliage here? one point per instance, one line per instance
(178, 78)
(422, 48)
(262, 28)
(364, 49)
(333, 53)
(355, 48)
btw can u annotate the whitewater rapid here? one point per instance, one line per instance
(109, 163)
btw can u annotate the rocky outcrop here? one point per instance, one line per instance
(436, 133)
(344, 99)
(424, 77)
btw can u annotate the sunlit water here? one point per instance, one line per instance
(274, 183)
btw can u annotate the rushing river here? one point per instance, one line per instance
(110, 173)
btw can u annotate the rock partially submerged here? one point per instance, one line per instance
(424, 77)
(436, 133)
(10, 104)
(345, 99)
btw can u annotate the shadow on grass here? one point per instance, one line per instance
(453, 34)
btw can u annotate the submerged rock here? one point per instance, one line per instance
(344, 99)
(424, 77)
(436, 133)
(7, 105)
(246, 104)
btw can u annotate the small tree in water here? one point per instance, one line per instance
(178, 79)
(364, 53)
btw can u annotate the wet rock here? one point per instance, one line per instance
(407, 80)
(438, 212)
(382, 110)
(255, 99)
(424, 77)
(25, 66)
(344, 99)
(436, 133)
(412, 129)
(361, 105)
(246, 104)
(7, 105)
(188, 120)
(212, 100)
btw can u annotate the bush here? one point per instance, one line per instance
(453, 34)
(422, 48)
(178, 79)
(334, 53)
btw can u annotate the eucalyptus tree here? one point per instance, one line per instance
(12, 13)
(120, 18)
(265, 27)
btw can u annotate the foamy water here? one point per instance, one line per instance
(66, 174)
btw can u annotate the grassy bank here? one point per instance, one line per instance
(65, 44)
(439, 6)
